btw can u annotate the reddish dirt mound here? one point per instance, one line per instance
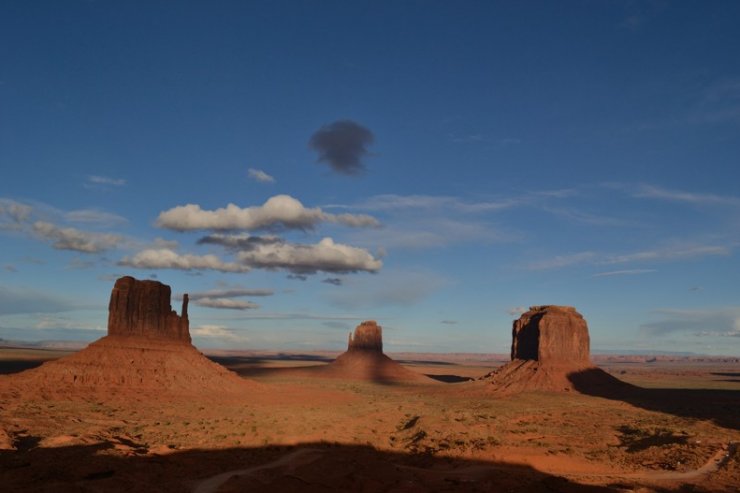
(550, 345)
(147, 349)
(115, 363)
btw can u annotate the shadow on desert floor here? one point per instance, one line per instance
(719, 406)
(306, 467)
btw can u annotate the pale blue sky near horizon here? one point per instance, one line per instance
(467, 160)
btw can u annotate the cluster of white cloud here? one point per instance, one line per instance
(280, 211)
(326, 256)
(165, 258)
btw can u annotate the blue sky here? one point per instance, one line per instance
(436, 166)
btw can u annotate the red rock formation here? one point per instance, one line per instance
(147, 350)
(551, 334)
(364, 360)
(368, 337)
(549, 349)
(142, 309)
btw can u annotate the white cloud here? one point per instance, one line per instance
(75, 239)
(217, 332)
(260, 176)
(325, 256)
(164, 258)
(279, 211)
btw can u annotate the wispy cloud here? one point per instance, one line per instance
(653, 192)
(97, 180)
(260, 176)
(94, 216)
(724, 322)
(666, 254)
(75, 239)
(627, 272)
(560, 261)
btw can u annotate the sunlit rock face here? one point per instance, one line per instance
(551, 334)
(368, 336)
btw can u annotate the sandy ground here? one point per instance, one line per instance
(298, 433)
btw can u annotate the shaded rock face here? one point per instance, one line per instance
(142, 309)
(551, 334)
(368, 336)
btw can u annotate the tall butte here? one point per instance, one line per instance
(142, 309)
(550, 346)
(148, 347)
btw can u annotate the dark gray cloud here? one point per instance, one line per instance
(239, 242)
(333, 280)
(297, 277)
(342, 145)
(227, 293)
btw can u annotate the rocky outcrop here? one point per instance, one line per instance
(368, 336)
(551, 334)
(142, 309)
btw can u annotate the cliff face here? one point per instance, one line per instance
(142, 309)
(368, 336)
(551, 334)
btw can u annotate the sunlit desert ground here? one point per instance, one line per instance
(295, 431)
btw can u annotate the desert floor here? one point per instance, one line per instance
(294, 432)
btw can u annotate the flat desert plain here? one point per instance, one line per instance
(295, 429)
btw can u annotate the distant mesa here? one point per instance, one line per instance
(550, 344)
(368, 336)
(365, 360)
(148, 347)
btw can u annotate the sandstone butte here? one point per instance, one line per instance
(148, 348)
(365, 360)
(550, 350)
